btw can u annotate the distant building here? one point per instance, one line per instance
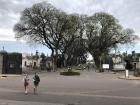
(49, 63)
(36, 62)
(31, 61)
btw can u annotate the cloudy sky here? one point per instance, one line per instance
(126, 11)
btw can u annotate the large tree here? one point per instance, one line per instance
(73, 43)
(103, 33)
(77, 52)
(44, 24)
(61, 32)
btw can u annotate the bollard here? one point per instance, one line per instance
(126, 74)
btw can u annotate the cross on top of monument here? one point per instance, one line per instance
(3, 48)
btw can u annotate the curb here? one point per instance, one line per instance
(9, 75)
(131, 77)
(13, 102)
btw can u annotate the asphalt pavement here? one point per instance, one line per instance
(90, 88)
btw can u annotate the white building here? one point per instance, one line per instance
(34, 61)
(29, 60)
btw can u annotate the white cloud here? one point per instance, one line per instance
(127, 11)
(7, 34)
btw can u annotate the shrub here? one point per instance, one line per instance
(70, 73)
(78, 68)
(81, 67)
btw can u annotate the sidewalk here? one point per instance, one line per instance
(131, 77)
(10, 75)
(11, 102)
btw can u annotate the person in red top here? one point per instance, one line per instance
(26, 83)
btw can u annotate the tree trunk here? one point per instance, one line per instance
(55, 63)
(52, 55)
(63, 60)
(97, 60)
(55, 60)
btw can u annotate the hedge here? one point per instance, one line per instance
(70, 73)
(11, 63)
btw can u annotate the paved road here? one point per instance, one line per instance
(88, 89)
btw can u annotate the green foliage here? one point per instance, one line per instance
(72, 34)
(11, 54)
(138, 54)
(70, 72)
(81, 67)
(44, 24)
(15, 57)
(11, 63)
(3, 53)
(14, 53)
(104, 33)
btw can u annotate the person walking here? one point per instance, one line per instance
(26, 83)
(36, 82)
